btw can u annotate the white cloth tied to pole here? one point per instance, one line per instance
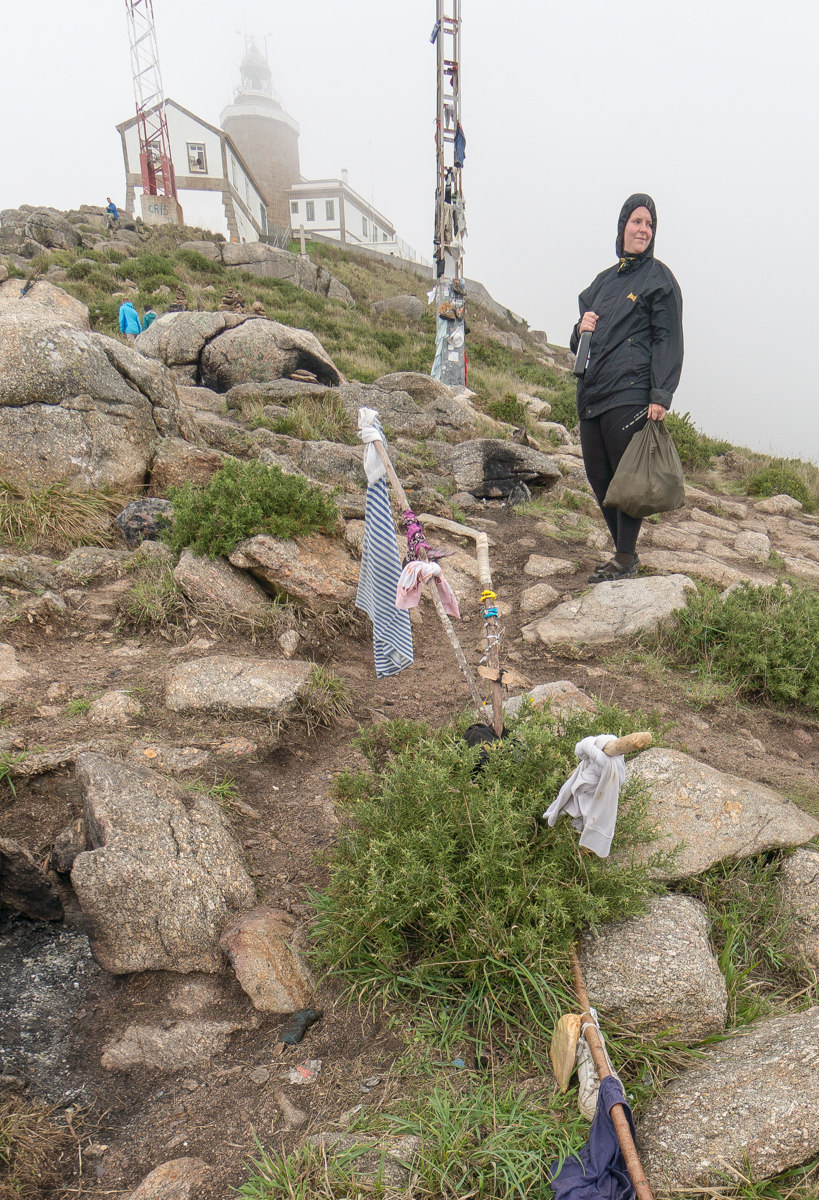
(591, 794)
(370, 431)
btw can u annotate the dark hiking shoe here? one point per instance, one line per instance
(610, 572)
(602, 566)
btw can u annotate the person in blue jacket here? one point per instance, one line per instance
(112, 211)
(129, 322)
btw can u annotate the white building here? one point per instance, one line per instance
(330, 207)
(215, 187)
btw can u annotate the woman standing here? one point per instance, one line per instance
(634, 311)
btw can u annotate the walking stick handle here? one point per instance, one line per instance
(627, 744)
(618, 1116)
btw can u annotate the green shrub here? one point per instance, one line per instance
(695, 449)
(564, 408)
(195, 261)
(442, 871)
(779, 479)
(509, 409)
(147, 265)
(242, 499)
(761, 640)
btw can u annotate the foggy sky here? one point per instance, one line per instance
(711, 107)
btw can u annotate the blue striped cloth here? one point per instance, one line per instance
(377, 584)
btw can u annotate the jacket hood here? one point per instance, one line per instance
(638, 200)
(129, 303)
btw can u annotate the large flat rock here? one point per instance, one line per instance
(712, 815)
(751, 1106)
(799, 890)
(164, 874)
(611, 610)
(238, 687)
(213, 582)
(270, 970)
(657, 973)
(183, 1044)
(703, 566)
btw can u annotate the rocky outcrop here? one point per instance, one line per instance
(224, 349)
(178, 1179)
(709, 815)
(44, 300)
(79, 406)
(270, 262)
(750, 1108)
(177, 462)
(164, 873)
(315, 572)
(561, 698)
(217, 585)
(238, 687)
(488, 467)
(33, 231)
(611, 610)
(657, 974)
(409, 307)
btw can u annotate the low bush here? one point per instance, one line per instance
(779, 478)
(242, 499)
(695, 448)
(564, 408)
(147, 265)
(195, 261)
(761, 640)
(509, 409)
(448, 873)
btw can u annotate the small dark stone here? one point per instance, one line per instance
(295, 1029)
(144, 520)
(67, 845)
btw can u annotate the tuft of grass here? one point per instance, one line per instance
(326, 700)
(77, 706)
(754, 937)
(57, 514)
(445, 873)
(780, 478)
(30, 1145)
(156, 601)
(242, 499)
(759, 641)
(7, 761)
(312, 421)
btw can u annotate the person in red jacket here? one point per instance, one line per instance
(634, 312)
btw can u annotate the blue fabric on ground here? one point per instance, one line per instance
(598, 1172)
(377, 584)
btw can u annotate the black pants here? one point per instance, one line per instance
(604, 440)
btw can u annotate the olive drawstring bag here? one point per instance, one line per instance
(649, 478)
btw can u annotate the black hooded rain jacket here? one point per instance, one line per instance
(637, 345)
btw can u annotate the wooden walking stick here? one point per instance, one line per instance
(492, 670)
(595, 1044)
(466, 670)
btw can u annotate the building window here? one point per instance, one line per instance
(233, 173)
(384, 237)
(311, 211)
(364, 226)
(263, 218)
(197, 159)
(294, 208)
(330, 209)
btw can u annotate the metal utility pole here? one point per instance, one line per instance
(158, 177)
(450, 219)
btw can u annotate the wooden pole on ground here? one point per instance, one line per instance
(618, 1115)
(452, 636)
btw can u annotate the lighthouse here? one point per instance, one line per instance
(264, 134)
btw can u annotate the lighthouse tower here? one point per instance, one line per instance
(264, 134)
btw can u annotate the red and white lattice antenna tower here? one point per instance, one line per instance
(158, 177)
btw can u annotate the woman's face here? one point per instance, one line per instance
(638, 231)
